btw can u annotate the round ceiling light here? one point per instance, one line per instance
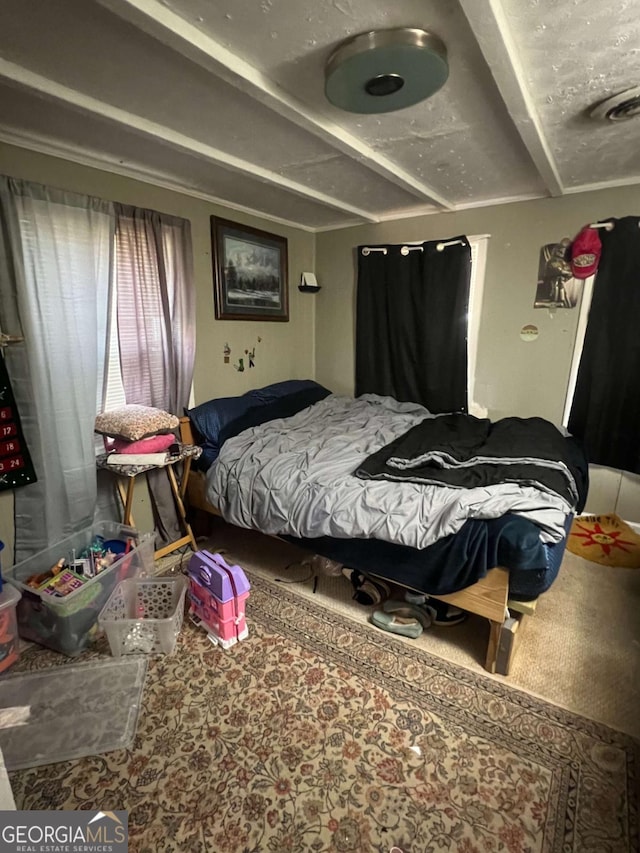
(619, 107)
(379, 72)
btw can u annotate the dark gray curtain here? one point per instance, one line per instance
(605, 413)
(156, 326)
(411, 323)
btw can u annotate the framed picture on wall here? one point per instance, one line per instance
(249, 272)
(556, 287)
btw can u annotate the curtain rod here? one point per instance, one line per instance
(608, 226)
(366, 250)
(441, 246)
(412, 245)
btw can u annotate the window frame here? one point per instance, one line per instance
(583, 318)
(479, 244)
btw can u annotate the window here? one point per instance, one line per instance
(151, 341)
(60, 294)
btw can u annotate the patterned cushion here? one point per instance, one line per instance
(134, 422)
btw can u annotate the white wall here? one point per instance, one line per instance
(513, 377)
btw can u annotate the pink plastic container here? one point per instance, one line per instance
(208, 609)
(217, 595)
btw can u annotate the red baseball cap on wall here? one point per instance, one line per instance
(585, 253)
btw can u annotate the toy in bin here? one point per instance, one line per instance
(70, 573)
(217, 595)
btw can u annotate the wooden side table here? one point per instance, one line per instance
(125, 483)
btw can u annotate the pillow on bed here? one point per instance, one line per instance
(211, 417)
(134, 422)
(285, 407)
(276, 390)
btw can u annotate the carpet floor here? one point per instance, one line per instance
(321, 734)
(581, 649)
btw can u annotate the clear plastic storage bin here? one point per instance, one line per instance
(144, 616)
(68, 623)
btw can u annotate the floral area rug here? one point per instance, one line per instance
(605, 539)
(317, 734)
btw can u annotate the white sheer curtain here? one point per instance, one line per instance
(55, 258)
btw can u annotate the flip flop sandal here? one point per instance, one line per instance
(396, 624)
(366, 590)
(410, 611)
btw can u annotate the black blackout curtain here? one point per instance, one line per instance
(606, 405)
(411, 323)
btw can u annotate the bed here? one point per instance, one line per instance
(286, 460)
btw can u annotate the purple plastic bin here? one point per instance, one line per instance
(213, 572)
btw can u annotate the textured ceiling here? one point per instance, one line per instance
(225, 99)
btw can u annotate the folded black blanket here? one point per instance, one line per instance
(462, 451)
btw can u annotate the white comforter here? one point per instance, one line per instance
(295, 476)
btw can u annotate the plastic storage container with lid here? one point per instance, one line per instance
(68, 623)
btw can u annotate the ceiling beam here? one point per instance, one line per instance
(492, 32)
(155, 19)
(17, 74)
(115, 166)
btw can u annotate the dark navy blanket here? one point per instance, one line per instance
(454, 562)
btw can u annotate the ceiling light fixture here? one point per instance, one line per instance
(387, 70)
(618, 107)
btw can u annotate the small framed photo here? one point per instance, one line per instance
(556, 288)
(249, 273)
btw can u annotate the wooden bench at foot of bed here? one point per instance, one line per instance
(488, 597)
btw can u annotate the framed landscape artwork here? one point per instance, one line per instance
(249, 273)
